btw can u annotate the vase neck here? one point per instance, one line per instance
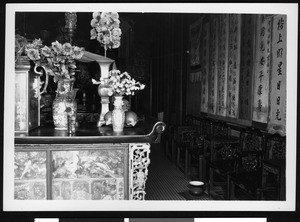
(104, 65)
(65, 86)
(118, 103)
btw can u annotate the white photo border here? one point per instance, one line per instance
(9, 204)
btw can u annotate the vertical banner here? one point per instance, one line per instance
(277, 117)
(234, 53)
(205, 67)
(262, 69)
(246, 73)
(195, 38)
(222, 64)
(213, 66)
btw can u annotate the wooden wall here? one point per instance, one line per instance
(169, 67)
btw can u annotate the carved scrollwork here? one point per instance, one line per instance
(138, 170)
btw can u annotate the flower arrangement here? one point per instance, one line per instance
(20, 43)
(105, 28)
(121, 83)
(58, 59)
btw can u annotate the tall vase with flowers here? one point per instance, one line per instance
(59, 61)
(106, 30)
(121, 84)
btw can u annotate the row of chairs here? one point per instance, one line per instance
(240, 164)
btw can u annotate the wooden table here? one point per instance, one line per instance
(93, 164)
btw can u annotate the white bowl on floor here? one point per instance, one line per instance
(196, 188)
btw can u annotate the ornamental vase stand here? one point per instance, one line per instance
(103, 90)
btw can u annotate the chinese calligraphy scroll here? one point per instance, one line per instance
(262, 69)
(234, 47)
(222, 64)
(205, 68)
(246, 67)
(277, 118)
(213, 66)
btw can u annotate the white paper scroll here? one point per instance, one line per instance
(213, 66)
(233, 79)
(262, 69)
(205, 68)
(277, 118)
(222, 64)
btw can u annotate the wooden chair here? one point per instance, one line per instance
(196, 152)
(183, 142)
(273, 168)
(246, 180)
(196, 159)
(219, 134)
(169, 140)
(223, 163)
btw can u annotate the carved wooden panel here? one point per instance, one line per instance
(88, 174)
(138, 170)
(30, 176)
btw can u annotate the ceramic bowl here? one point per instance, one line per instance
(196, 188)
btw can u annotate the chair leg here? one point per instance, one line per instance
(228, 187)
(189, 163)
(186, 162)
(178, 157)
(201, 168)
(258, 194)
(166, 148)
(232, 189)
(173, 147)
(211, 180)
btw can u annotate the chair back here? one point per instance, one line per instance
(206, 126)
(185, 133)
(251, 153)
(220, 129)
(275, 147)
(226, 151)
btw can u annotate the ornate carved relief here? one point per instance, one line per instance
(138, 170)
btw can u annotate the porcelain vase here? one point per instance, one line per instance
(118, 115)
(64, 105)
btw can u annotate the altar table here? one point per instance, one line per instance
(93, 164)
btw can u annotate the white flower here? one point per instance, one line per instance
(96, 15)
(106, 29)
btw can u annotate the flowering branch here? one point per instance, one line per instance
(58, 60)
(105, 28)
(122, 83)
